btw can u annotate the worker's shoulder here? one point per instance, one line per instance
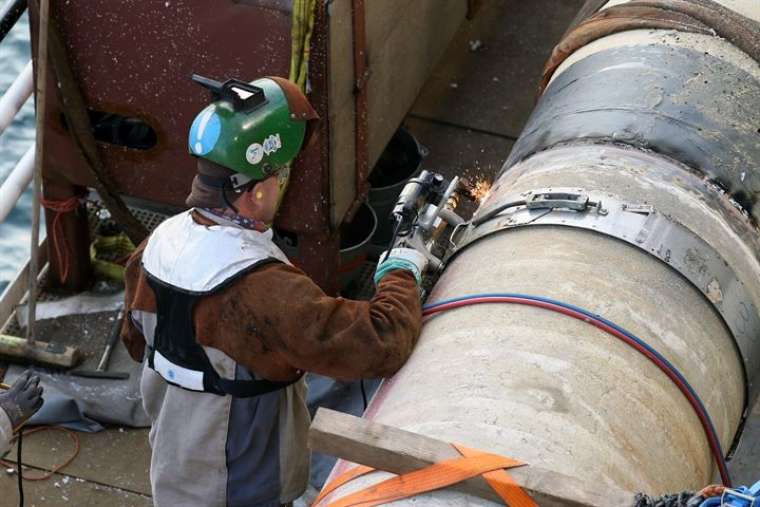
(271, 268)
(273, 278)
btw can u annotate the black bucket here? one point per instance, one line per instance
(355, 244)
(400, 161)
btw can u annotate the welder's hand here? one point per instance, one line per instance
(22, 400)
(401, 258)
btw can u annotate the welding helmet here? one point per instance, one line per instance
(254, 129)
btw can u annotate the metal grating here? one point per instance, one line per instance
(150, 219)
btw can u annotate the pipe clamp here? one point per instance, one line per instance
(644, 227)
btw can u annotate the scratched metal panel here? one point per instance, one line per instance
(135, 58)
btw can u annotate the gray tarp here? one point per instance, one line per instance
(86, 404)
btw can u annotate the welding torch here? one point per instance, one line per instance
(425, 206)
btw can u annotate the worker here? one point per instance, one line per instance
(19, 403)
(227, 326)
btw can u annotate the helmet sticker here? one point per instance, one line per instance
(272, 144)
(254, 153)
(204, 133)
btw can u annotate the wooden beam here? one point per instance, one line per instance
(401, 53)
(399, 451)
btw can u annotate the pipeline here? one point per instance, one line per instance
(632, 193)
(611, 328)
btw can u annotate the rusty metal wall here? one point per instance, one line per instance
(135, 59)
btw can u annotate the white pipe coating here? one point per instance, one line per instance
(16, 183)
(16, 96)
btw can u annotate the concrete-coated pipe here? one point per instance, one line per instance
(661, 129)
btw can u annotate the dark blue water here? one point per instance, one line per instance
(15, 230)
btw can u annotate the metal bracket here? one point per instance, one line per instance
(552, 199)
(642, 226)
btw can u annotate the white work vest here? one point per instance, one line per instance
(185, 260)
(200, 258)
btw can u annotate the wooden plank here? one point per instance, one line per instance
(402, 60)
(341, 111)
(405, 39)
(399, 451)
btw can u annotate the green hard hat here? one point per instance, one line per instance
(253, 129)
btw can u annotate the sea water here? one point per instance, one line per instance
(15, 231)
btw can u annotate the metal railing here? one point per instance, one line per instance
(10, 104)
(10, 12)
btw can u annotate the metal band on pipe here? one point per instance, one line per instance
(641, 226)
(688, 105)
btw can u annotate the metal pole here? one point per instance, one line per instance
(16, 182)
(16, 96)
(42, 67)
(9, 14)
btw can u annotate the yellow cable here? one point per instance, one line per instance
(300, 34)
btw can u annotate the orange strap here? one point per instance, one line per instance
(502, 483)
(339, 481)
(435, 476)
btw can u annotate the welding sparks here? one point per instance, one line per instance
(477, 188)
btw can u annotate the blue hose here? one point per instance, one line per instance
(597, 318)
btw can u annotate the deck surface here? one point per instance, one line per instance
(468, 116)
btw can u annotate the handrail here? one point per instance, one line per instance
(11, 103)
(16, 182)
(16, 96)
(10, 12)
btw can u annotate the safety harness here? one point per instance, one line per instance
(175, 353)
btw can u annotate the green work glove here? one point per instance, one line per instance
(408, 259)
(22, 400)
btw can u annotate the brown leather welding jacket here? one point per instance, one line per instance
(276, 322)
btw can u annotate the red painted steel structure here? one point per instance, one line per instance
(135, 58)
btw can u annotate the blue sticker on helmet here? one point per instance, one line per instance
(204, 132)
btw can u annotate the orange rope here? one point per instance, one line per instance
(58, 237)
(77, 446)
